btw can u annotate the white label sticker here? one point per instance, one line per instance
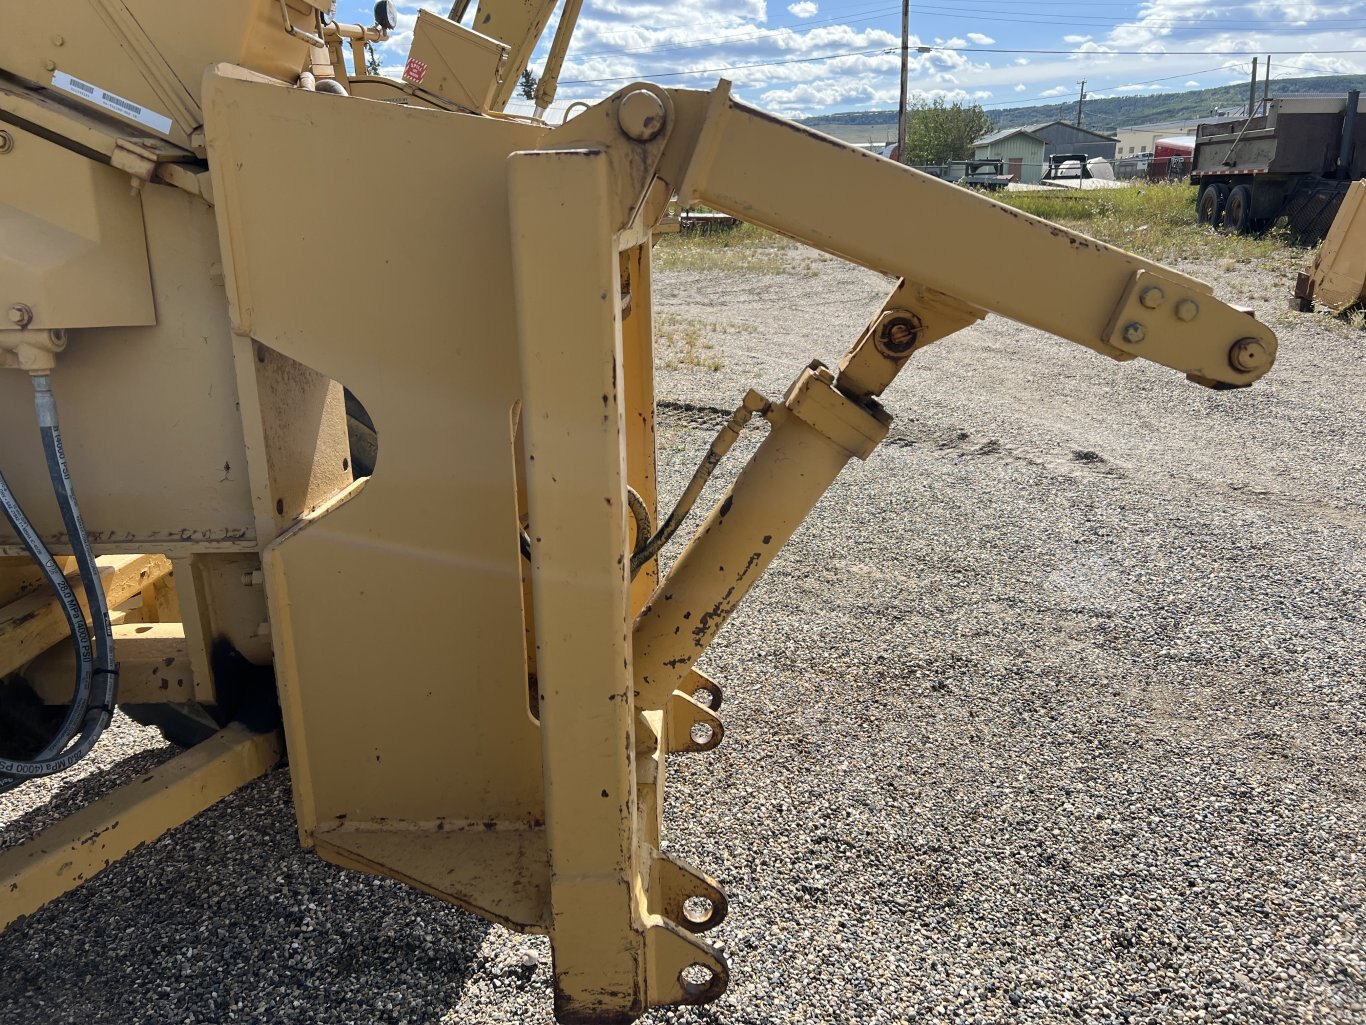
(109, 101)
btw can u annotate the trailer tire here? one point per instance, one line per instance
(1238, 211)
(1209, 205)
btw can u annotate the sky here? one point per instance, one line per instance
(805, 57)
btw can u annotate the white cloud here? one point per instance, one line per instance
(693, 45)
(1090, 50)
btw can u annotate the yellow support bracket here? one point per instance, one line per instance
(82, 845)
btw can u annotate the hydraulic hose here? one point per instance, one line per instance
(649, 547)
(92, 704)
(75, 617)
(640, 512)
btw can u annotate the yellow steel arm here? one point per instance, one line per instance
(958, 254)
(874, 212)
(517, 24)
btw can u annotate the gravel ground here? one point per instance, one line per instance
(1050, 712)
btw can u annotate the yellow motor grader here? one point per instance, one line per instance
(344, 386)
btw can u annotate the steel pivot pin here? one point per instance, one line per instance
(641, 115)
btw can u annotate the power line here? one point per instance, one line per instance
(881, 50)
(757, 34)
(1060, 18)
(951, 49)
(752, 34)
(1144, 53)
(1058, 96)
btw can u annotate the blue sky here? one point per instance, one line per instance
(802, 57)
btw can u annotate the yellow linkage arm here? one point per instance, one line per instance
(874, 212)
(517, 24)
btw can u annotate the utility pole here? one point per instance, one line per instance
(1266, 86)
(1252, 92)
(1080, 96)
(905, 74)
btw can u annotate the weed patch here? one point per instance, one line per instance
(1156, 221)
(681, 343)
(741, 248)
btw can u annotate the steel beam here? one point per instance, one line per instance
(82, 845)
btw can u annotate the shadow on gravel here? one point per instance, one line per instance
(76, 794)
(228, 919)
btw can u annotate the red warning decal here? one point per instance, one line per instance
(414, 71)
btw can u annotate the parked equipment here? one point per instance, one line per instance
(1171, 158)
(986, 173)
(395, 448)
(1336, 279)
(1293, 161)
(1066, 167)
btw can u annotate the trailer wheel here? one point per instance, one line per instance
(1209, 206)
(1238, 211)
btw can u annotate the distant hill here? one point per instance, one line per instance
(1104, 115)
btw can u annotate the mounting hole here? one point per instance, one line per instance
(279, 507)
(698, 910)
(346, 463)
(701, 733)
(708, 694)
(696, 979)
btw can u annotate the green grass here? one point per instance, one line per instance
(1153, 220)
(741, 248)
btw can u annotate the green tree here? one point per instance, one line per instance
(371, 60)
(937, 132)
(528, 85)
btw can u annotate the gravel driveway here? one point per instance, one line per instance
(1052, 711)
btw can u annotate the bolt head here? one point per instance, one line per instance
(6, 142)
(897, 332)
(1151, 298)
(20, 315)
(1248, 355)
(1187, 310)
(641, 115)
(1135, 332)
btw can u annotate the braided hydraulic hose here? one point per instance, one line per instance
(91, 707)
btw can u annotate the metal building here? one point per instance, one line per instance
(1061, 137)
(1021, 149)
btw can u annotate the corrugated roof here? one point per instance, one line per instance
(1048, 124)
(1161, 126)
(1006, 133)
